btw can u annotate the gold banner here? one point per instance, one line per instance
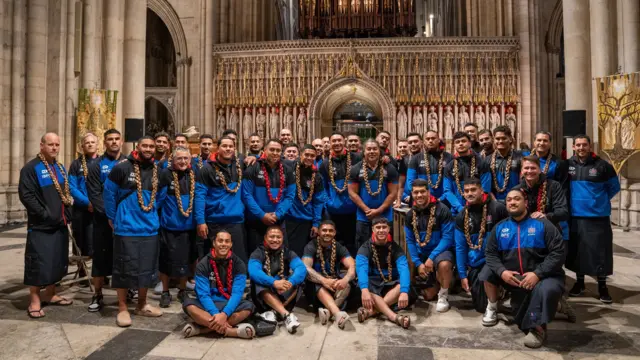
(619, 116)
(96, 114)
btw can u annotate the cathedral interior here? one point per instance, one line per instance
(314, 66)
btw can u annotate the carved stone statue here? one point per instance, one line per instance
(247, 124)
(510, 120)
(402, 121)
(494, 118)
(432, 119)
(628, 133)
(449, 123)
(301, 127)
(417, 120)
(273, 123)
(232, 123)
(463, 118)
(287, 121)
(480, 118)
(261, 123)
(221, 122)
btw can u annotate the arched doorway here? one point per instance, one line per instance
(162, 114)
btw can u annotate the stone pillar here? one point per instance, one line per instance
(499, 20)
(6, 30)
(508, 18)
(91, 44)
(522, 31)
(36, 71)
(577, 57)
(113, 57)
(71, 81)
(135, 33)
(469, 18)
(630, 23)
(224, 21)
(208, 70)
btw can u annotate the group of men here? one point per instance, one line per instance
(291, 219)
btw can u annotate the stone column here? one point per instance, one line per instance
(224, 21)
(135, 33)
(71, 81)
(499, 20)
(577, 57)
(508, 17)
(113, 43)
(6, 30)
(208, 70)
(469, 18)
(630, 23)
(36, 71)
(91, 44)
(522, 31)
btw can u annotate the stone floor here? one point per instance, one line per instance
(602, 332)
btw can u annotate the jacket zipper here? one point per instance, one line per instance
(519, 255)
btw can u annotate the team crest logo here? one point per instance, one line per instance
(504, 233)
(593, 172)
(105, 169)
(212, 276)
(132, 177)
(171, 186)
(531, 231)
(309, 183)
(489, 219)
(260, 175)
(44, 174)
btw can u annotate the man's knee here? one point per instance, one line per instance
(445, 266)
(550, 287)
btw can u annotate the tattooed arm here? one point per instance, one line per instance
(313, 275)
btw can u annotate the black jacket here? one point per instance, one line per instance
(556, 209)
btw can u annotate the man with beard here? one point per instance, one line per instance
(504, 164)
(429, 236)
(317, 144)
(276, 276)
(285, 136)
(268, 189)
(255, 146)
(177, 227)
(472, 130)
(414, 141)
(384, 140)
(206, 146)
(594, 183)
(130, 202)
(335, 172)
(473, 224)
(303, 218)
(43, 189)
(218, 200)
(373, 186)
(326, 287)
(383, 276)
(163, 147)
(220, 281)
(291, 152)
(102, 265)
(354, 144)
(428, 165)
(485, 138)
(525, 255)
(465, 164)
(82, 216)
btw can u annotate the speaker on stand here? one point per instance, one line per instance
(133, 129)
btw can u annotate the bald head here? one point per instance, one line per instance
(50, 145)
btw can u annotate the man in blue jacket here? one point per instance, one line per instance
(594, 183)
(504, 163)
(428, 165)
(473, 225)
(163, 149)
(131, 194)
(220, 280)
(206, 146)
(525, 255)
(218, 199)
(304, 216)
(102, 265)
(268, 188)
(429, 236)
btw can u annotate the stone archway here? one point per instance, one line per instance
(165, 103)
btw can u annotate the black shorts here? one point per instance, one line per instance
(486, 274)
(46, 256)
(244, 305)
(177, 252)
(256, 290)
(102, 264)
(380, 288)
(135, 262)
(431, 279)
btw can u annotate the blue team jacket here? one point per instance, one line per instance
(501, 163)
(338, 202)
(78, 182)
(366, 267)
(417, 170)
(214, 204)
(358, 172)
(206, 284)
(441, 233)
(170, 217)
(593, 185)
(451, 195)
(254, 191)
(313, 210)
(258, 272)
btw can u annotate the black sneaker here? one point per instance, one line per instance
(577, 289)
(604, 295)
(132, 294)
(182, 296)
(97, 303)
(165, 300)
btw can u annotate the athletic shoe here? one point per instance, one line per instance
(568, 310)
(158, 289)
(132, 294)
(97, 303)
(191, 286)
(291, 322)
(604, 295)
(577, 289)
(490, 317)
(535, 339)
(443, 303)
(182, 296)
(269, 316)
(165, 300)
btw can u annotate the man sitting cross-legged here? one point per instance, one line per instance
(383, 276)
(271, 285)
(325, 289)
(220, 280)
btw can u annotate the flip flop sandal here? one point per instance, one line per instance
(324, 315)
(341, 319)
(190, 330)
(62, 302)
(244, 329)
(31, 312)
(400, 320)
(363, 314)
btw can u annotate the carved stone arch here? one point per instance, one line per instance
(554, 32)
(166, 97)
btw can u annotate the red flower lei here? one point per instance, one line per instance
(226, 295)
(267, 183)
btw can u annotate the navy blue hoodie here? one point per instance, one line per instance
(338, 202)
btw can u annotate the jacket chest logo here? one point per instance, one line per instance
(505, 233)
(531, 231)
(572, 170)
(132, 177)
(105, 169)
(44, 174)
(212, 276)
(172, 185)
(260, 174)
(489, 220)
(593, 172)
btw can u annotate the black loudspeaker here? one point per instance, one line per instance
(574, 122)
(133, 129)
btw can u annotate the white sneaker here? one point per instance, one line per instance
(269, 316)
(191, 286)
(291, 322)
(490, 317)
(443, 303)
(158, 289)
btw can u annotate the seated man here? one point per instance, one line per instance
(429, 235)
(525, 255)
(473, 225)
(271, 288)
(325, 289)
(383, 284)
(220, 280)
